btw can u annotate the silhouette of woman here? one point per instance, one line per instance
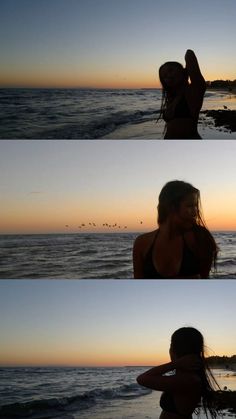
(191, 384)
(181, 100)
(182, 246)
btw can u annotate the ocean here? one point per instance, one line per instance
(82, 393)
(95, 114)
(88, 256)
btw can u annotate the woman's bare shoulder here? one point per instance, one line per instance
(145, 238)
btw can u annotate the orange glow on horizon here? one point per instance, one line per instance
(48, 357)
(40, 219)
(73, 79)
(8, 360)
(126, 80)
(63, 229)
(25, 361)
(66, 225)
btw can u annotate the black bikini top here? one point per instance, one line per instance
(167, 403)
(181, 110)
(189, 264)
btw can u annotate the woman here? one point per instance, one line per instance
(182, 246)
(192, 382)
(181, 100)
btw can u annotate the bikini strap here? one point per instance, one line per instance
(153, 242)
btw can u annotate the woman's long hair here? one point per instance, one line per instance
(170, 198)
(186, 341)
(167, 93)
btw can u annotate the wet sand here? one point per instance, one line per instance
(217, 121)
(152, 130)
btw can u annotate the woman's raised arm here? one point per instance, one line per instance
(193, 69)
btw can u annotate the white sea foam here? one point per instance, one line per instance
(98, 393)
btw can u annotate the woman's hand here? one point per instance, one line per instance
(189, 363)
(189, 53)
(194, 72)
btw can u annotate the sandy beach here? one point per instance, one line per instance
(213, 124)
(217, 120)
(208, 129)
(148, 407)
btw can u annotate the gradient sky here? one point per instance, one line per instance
(103, 43)
(46, 185)
(110, 322)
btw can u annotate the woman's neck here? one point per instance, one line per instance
(170, 229)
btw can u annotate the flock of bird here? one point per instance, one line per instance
(104, 225)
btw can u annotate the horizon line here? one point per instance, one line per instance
(94, 366)
(79, 87)
(103, 88)
(99, 232)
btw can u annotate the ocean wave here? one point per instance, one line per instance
(216, 93)
(103, 126)
(79, 402)
(92, 256)
(87, 252)
(227, 262)
(224, 275)
(80, 113)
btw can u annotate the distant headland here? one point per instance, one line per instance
(230, 85)
(227, 362)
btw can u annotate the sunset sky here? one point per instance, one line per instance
(48, 185)
(103, 43)
(102, 323)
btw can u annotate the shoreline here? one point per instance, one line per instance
(213, 124)
(118, 116)
(225, 406)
